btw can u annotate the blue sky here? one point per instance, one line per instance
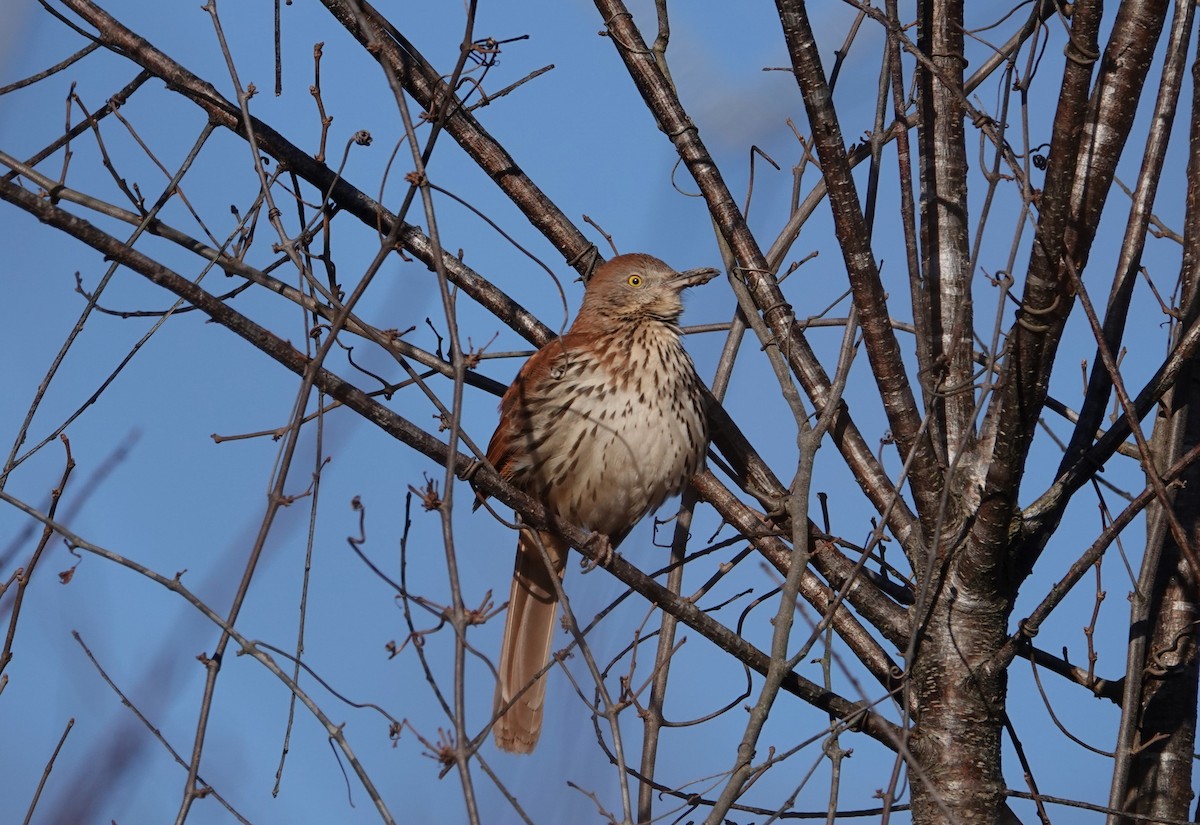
(179, 501)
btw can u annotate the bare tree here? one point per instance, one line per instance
(897, 594)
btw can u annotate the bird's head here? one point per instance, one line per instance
(639, 286)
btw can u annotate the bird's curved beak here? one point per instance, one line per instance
(694, 277)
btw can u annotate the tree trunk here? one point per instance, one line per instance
(956, 742)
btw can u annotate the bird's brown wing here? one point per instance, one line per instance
(505, 442)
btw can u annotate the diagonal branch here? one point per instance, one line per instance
(418, 77)
(347, 197)
(1040, 518)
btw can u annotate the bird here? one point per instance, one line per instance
(602, 425)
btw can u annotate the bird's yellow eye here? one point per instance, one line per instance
(635, 280)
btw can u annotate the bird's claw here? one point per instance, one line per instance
(600, 553)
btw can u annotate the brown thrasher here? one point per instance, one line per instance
(602, 425)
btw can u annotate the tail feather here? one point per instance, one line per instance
(528, 639)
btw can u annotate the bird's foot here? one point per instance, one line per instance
(600, 552)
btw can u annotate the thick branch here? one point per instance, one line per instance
(854, 239)
(1091, 412)
(1071, 204)
(945, 246)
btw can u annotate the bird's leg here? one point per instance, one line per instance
(600, 552)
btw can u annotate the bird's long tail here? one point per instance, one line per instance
(528, 636)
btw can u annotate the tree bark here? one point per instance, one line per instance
(1153, 777)
(956, 743)
(945, 246)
